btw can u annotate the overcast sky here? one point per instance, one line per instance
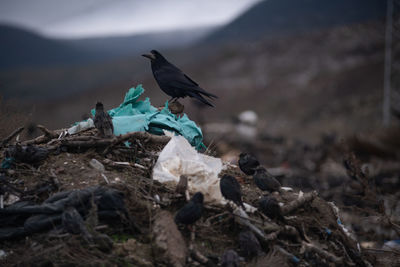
(84, 18)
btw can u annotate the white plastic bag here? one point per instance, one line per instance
(179, 158)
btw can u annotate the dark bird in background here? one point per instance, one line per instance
(103, 121)
(265, 181)
(230, 189)
(230, 259)
(174, 82)
(192, 211)
(248, 163)
(270, 207)
(249, 245)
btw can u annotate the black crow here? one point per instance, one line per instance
(249, 245)
(270, 207)
(103, 121)
(230, 189)
(265, 181)
(192, 211)
(248, 163)
(173, 81)
(230, 259)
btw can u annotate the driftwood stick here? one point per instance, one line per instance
(147, 137)
(38, 140)
(272, 236)
(292, 257)
(295, 204)
(11, 136)
(89, 143)
(49, 134)
(325, 254)
(242, 218)
(82, 138)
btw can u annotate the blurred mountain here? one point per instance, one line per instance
(23, 48)
(20, 47)
(272, 18)
(131, 45)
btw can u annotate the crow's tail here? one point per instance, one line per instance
(201, 91)
(200, 98)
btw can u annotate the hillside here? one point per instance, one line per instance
(22, 49)
(329, 81)
(272, 18)
(131, 45)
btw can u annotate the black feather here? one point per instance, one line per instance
(192, 211)
(265, 181)
(174, 82)
(248, 163)
(230, 189)
(270, 207)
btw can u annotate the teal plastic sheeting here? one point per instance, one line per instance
(134, 115)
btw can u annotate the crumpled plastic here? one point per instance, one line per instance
(133, 115)
(30, 154)
(179, 158)
(81, 126)
(7, 163)
(24, 218)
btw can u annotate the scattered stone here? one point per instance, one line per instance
(169, 243)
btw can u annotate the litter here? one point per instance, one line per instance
(179, 158)
(96, 165)
(27, 154)
(25, 218)
(392, 245)
(138, 116)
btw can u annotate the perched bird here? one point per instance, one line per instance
(270, 207)
(182, 185)
(248, 163)
(249, 245)
(230, 189)
(103, 121)
(265, 181)
(173, 81)
(230, 259)
(192, 211)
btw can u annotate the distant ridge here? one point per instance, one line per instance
(21, 47)
(271, 18)
(24, 48)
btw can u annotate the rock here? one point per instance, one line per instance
(97, 165)
(169, 243)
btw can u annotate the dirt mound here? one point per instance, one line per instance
(311, 234)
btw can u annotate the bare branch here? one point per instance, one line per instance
(11, 136)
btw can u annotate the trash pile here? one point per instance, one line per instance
(81, 199)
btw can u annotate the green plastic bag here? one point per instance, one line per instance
(134, 115)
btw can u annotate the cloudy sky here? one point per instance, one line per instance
(83, 18)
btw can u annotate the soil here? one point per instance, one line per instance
(362, 197)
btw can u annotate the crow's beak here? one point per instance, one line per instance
(149, 56)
